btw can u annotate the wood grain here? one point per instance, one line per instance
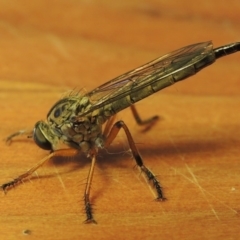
(51, 47)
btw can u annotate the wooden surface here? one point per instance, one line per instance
(50, 47)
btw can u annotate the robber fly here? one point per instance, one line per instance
(77, 120)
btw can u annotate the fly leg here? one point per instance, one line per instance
(149, 122)
(88, 206)
(25, 175)
(19, 133)
(150, 176)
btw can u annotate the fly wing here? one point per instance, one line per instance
(168, 64)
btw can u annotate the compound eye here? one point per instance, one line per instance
(40, 139)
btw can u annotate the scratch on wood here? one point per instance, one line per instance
(202, 191)
(60, 178)
(210, 194)
(194, 181)
(59, 46)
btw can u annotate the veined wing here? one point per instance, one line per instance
(140, 77)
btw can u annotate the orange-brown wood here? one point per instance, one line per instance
(48, 48)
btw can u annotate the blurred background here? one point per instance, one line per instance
(85, 43)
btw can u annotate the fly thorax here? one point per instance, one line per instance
(62, 111)
(87, 131)
(68, 122)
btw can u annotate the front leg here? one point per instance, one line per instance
(20, 178)
(25, 175)
(29, 133)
